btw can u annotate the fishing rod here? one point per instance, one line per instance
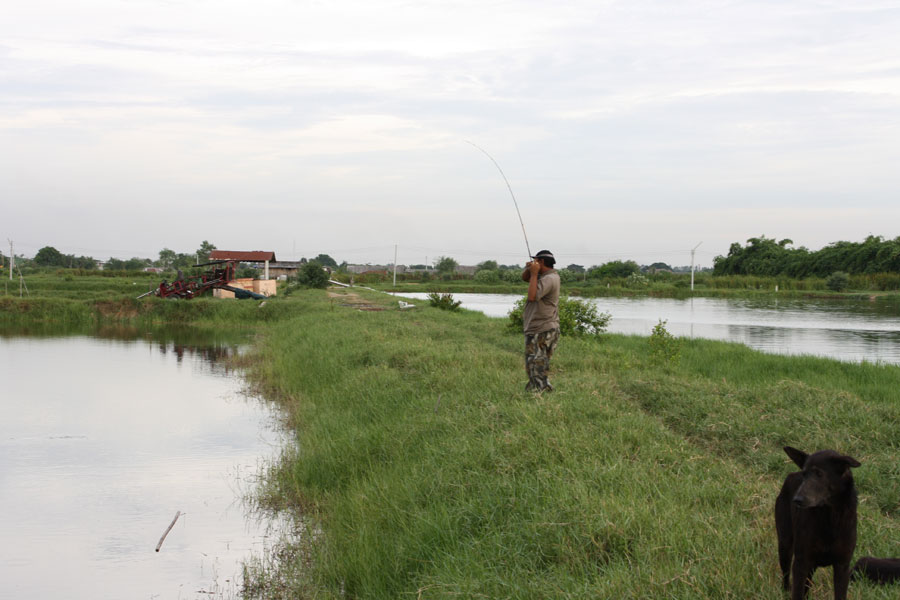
(509, 187)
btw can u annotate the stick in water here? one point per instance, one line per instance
(168, 529)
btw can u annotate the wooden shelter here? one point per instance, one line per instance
(255, 256)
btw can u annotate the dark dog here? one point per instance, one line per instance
(879, 570)
(815, 517)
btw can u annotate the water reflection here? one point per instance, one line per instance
(101, 441)
(851, 330)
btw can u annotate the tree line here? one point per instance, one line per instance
(764, 256)
(48, 256)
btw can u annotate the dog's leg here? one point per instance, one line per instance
(802, 572)
(785, 533)
(841, 580)
(784, 559)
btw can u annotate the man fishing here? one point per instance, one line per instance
(541, 319)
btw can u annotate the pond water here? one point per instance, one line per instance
(101, 442)
(845, 330)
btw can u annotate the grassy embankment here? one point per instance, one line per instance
(432, 475)
(58, 302)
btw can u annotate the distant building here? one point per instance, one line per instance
(284, 268)
(255, 256)
(360, 269)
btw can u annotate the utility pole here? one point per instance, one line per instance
(692, 265)
(12, 258)
(395, 265)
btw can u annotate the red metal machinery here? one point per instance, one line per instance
(217, 277)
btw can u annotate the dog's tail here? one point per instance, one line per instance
(877, 570)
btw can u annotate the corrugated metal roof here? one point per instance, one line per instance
(253, 256)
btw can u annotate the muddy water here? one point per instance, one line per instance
(101, 442)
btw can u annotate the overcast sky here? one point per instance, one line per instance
(627, 130)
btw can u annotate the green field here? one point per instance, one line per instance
(422, 469)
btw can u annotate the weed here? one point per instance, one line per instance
(665, 348)
(576, 317)
(444, 301)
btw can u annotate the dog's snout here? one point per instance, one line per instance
(799, 501)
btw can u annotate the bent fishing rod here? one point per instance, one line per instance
(509, 187)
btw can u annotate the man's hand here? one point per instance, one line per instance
(532, 269)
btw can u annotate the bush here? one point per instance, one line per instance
(567, 276)
(312, 275)
(665, 348)
(511, 276)
(838, 281)
(487, 276)
(636, 280)
(443, 301)
(576, 317)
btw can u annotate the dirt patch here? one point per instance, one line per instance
(352, 300)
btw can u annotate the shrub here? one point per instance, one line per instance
(665, 348)
(487, 276)
(312, 275)
(576, 317)
(511, 275)
(443, 301)
(838, 281)
(567, 276)
(636, 280)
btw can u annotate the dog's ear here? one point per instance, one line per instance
(847, 461)
(798, 456)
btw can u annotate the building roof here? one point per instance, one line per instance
(253, 256)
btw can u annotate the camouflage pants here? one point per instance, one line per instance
(539, 348)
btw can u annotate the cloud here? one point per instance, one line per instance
(182, 109)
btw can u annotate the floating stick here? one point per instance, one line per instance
(509, 187)
(168, 529)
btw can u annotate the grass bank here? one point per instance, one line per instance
(429, 473)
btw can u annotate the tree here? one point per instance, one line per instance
(445, 265)
(576, 268)
(203, 252)
(659, 266)
(183, 261)
(137, 264)
(48, 256)
(488, 265)
(132, 264)
(312, 275)
(325, 260)
(167, 258)
(81, 262)
(616, 268)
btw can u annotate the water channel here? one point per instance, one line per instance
(850, 330)
(101, 442)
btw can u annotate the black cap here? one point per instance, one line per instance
(543, 254)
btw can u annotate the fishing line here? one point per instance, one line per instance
(509, 187)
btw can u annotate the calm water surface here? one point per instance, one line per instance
(101, 442)
(846, 330)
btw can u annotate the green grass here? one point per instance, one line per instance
(61, 284)
(429, 473)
